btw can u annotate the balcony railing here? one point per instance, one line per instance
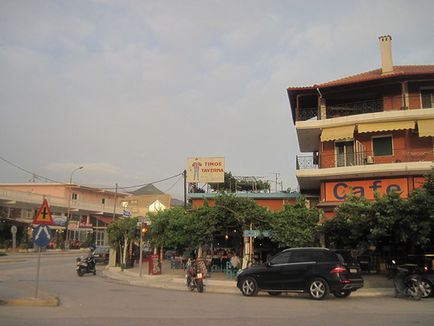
(340, 110)
(333, 110)
(324, 161)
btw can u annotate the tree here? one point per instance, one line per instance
(295, 226)
(387, 220)
(177, 228)
(351, 225)
(120, 233)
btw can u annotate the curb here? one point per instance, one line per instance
(32, 302)
(212, 286)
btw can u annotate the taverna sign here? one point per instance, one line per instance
(206, 169)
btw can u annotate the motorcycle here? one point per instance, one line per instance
(85, 265)
(194, 278)
(406, 281)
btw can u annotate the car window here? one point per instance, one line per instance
(282, 258)
(301, 256)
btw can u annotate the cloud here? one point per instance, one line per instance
(130, 89)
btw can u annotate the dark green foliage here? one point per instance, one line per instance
(388, 220)
(295, 226)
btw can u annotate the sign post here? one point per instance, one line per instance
(41, 234)
(14, 236)
(143, 229)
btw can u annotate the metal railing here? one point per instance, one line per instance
(346, 109)
(323, 161)
(333, 110)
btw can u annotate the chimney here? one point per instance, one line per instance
(386, 54)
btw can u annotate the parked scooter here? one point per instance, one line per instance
(86, 265)
(194, 278)
(406, 281)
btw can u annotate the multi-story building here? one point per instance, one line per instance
(366, 133)
(90, 209)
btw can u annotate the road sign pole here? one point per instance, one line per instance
(141, 252)
(37, 272)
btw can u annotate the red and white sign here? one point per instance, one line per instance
(44, 215)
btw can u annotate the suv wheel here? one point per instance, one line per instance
(342, 294)
(427, 289)
(249, 287)
(318, 289)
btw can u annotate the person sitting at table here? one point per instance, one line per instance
(235, 262)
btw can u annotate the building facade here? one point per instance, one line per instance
(90, 209)
(274, 202)
(367, 133)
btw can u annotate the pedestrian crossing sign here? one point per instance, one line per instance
(44, 214)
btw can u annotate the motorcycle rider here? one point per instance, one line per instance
(90, 258)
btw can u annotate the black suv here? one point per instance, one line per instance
(317, 271)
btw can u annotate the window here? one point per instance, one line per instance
(427, 98)
(74, 196)
(103, 201)
(282, 258)
(344, 153)
(301, 257)
(382, 146)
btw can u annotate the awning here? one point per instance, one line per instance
(344, 132)
(385, 126)
(426, 128)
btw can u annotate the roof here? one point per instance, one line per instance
(373, 75)
(148, 190)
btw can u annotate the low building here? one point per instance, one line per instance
(90, 209)
(274, 201)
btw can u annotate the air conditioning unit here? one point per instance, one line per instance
(369, 160)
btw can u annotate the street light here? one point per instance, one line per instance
(69, 207)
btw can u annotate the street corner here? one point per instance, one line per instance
(32, 302)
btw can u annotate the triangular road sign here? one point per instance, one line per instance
(44, 215)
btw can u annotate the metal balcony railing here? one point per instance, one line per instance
(323, 161)
(340, 110)
(390, 103)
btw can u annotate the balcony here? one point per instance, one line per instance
(325, 161)
(346, 109)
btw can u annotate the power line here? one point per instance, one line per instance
(148, 183)
(34, 175)
(176, 182)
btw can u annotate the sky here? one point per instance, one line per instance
(130, 89)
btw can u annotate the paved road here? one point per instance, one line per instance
(94, 300)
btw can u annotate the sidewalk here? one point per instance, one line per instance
(174, 279)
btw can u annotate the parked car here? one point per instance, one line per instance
(101, 255)
(317, 271)
(428, 283)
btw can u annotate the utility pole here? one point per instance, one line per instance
(185, 188)
(69, 207)
(116, 199)
(277, 174)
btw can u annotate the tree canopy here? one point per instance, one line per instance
(388, 220)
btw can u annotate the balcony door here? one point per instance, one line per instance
(344, 153)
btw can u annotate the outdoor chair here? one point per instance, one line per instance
(230, 274)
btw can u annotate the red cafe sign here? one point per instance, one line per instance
(338, 191)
